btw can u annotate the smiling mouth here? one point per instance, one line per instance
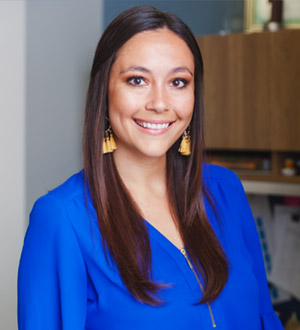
(157, 126)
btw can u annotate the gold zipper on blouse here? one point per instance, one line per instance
(200, 284)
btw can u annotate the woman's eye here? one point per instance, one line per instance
(179, 83)
(136, 81)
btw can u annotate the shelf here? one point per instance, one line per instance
(271, 188)
(258, 166)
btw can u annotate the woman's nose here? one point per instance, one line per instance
(158, 99)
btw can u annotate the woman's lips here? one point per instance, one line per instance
(153, 125)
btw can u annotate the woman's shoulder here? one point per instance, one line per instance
(213, 173)
(224, 185)
(56, 203)
(72, 188)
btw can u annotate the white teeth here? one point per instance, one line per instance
(153, 126)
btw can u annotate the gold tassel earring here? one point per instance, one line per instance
(185, 145)
(109, 144)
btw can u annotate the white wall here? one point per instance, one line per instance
(61, 37)
(12, 146)
(46, 49)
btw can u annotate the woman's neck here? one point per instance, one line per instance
(141, 173)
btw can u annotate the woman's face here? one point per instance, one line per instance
(151, 93)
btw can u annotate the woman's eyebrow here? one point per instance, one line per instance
(143, 69)
(135, 68)
(182, 69)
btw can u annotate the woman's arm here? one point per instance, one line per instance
(52, 281)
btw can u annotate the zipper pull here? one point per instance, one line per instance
(186, 257)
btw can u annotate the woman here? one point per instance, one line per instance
(144, 237)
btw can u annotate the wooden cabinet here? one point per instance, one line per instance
(252, 90)
(235, 82)
(252, 94)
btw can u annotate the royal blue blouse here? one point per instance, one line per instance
(65, 281)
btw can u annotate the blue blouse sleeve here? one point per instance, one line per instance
(52, 283)
(269, 319)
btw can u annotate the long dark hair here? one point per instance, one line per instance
(123, 232)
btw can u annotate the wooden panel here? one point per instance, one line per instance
(253, 110)
(219, 96)
(284, 47)
(235, 95)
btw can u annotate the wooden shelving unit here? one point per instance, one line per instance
(252, 97)
(273, 174)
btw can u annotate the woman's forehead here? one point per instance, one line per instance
(150, 47)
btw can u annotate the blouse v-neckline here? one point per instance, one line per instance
(162, 240)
